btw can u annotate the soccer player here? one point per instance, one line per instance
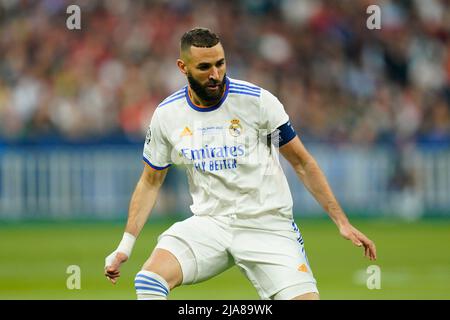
(226, 133)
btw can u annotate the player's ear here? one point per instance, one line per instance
(182, 66)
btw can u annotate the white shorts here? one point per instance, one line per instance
(275, 262)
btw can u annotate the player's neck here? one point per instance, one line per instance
(199, 102)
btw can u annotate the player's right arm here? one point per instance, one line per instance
(141, 205)
(157, 158)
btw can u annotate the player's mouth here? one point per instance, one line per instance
(213, 87)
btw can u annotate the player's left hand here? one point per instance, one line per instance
(349, 232)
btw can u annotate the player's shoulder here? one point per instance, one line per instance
(244, 88)
(248, 89)
(174, 99)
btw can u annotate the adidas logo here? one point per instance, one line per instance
(302, 268)
(186, 132)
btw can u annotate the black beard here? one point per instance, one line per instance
(202, 92)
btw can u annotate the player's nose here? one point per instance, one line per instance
(214, 75)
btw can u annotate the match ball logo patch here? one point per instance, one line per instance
(235, 128)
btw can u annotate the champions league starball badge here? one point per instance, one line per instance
(148, 137)
(235, 128)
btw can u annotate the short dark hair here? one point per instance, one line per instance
(199, 37)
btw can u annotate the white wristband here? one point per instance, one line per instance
(127, 244)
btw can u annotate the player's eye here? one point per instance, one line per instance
(220, 63)
(203, 67)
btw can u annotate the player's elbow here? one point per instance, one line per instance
(300, 161)
(304, 165)
(296, 154)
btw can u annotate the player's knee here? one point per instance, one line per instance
(165, 264)
(307, 296)
(301, 291)
(150, 286)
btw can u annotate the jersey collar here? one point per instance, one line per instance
(211, 108)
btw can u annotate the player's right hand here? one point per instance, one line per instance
(112, 265)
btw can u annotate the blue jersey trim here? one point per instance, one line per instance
(300, 241)
(249, 93)
(179, 93)
(176, 93)
(212, 108)
(244, 86)
(244, 89)
(172, 97)
(171, 100)
(155, 167)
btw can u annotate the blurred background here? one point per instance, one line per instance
(373, 107)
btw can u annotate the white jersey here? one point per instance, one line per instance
(232, 169)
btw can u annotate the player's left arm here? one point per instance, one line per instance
(314, 180)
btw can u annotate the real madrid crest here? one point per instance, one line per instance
(235, 128)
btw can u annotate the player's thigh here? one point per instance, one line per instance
(275, 263)
(165, 264)
(200, 246)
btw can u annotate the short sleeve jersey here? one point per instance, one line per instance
(232, 169)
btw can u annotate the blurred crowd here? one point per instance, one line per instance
(339, 81)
